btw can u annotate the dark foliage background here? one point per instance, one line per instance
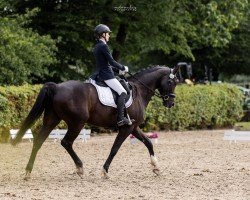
(52, 40)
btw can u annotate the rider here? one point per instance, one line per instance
(104, 61)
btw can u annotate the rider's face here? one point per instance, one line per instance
(106, 36)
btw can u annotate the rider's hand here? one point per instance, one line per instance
(126, 69)
(123, 72)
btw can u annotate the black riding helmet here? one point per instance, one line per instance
(100, 29)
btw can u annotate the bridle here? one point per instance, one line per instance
(155, 93)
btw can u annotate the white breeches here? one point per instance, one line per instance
(115, 85)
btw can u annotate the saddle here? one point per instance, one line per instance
(109, 97)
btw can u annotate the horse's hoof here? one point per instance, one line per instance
(104, 174)
(27, 176)
(157, 171)
(79, 171)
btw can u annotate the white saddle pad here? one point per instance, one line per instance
(106, 97)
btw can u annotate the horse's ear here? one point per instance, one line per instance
(176, 69)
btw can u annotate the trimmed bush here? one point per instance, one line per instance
(15, 104)
(200, 106)
(196, 107)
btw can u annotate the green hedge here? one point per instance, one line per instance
(15, 103)
(196, 107)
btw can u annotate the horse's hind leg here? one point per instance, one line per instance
(67, 143)
(50, 120)
(137, 132)
(120, 138)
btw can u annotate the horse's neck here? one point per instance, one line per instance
(147, 89)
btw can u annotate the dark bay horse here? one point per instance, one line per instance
(77, 103)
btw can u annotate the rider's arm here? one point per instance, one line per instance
(110, 58)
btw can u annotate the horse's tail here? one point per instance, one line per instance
(43, 101)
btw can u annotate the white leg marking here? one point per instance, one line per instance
(154, 163)
(104, 174)
(27, 176)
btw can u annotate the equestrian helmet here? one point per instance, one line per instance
(100, 29)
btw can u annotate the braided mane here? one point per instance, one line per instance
(148, 70)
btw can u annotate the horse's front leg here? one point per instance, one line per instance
(137, 132)
(124, 132)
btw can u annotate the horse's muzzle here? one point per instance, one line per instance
(169, 103)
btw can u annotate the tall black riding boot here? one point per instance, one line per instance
(121, 120)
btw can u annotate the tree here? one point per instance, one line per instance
(25, 55)
(144, 32)
(234, 59)
(218, 26)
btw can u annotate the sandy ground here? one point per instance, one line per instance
(195, 165)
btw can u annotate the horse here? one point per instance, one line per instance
(77, 103)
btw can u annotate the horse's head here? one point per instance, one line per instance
(167, 87)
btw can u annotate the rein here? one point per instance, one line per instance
(165, 97)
